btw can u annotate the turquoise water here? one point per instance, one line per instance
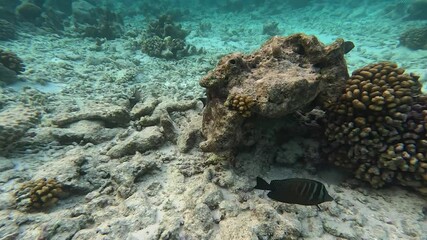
(132, 120)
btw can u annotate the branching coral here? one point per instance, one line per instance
(38, 194)
(378, 127)
(241, 103)
(165, 39)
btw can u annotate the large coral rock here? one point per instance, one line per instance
(286, 74)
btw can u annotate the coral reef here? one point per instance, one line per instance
(10, 66)
(28, 11)
(378, 127)
(415, 38)
(107, 25)
(7, 30)
(95, 22)
(11, 61)
(417, 10)
(38, 194)
(165, 39)
(285, 75)
(165, 27)
(14, 123)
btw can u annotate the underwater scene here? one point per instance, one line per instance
(213, 119)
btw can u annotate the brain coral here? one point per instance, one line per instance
(378, 127)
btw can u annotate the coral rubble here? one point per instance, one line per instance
(378, 127)
(285, 75)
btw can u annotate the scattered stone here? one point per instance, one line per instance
(199, 222)
(111, 115)
(168, 106)
(84, 131)
(272, 225)
(144, 108)
(9, 229)
(312, 227)
(6, 164)
(409, 229)
(147, 139)
(14, 122)
(340, 229)
(213, 196)
(78, 173)
(170, 130)
(190, 135)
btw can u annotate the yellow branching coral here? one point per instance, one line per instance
(38, 194)
(377, 127)
(241, 103)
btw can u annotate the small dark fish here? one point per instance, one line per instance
(295, 190)
(348, 46)
(204, 100)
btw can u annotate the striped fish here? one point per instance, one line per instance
(295, 190)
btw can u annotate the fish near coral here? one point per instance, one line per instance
(295, 191)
